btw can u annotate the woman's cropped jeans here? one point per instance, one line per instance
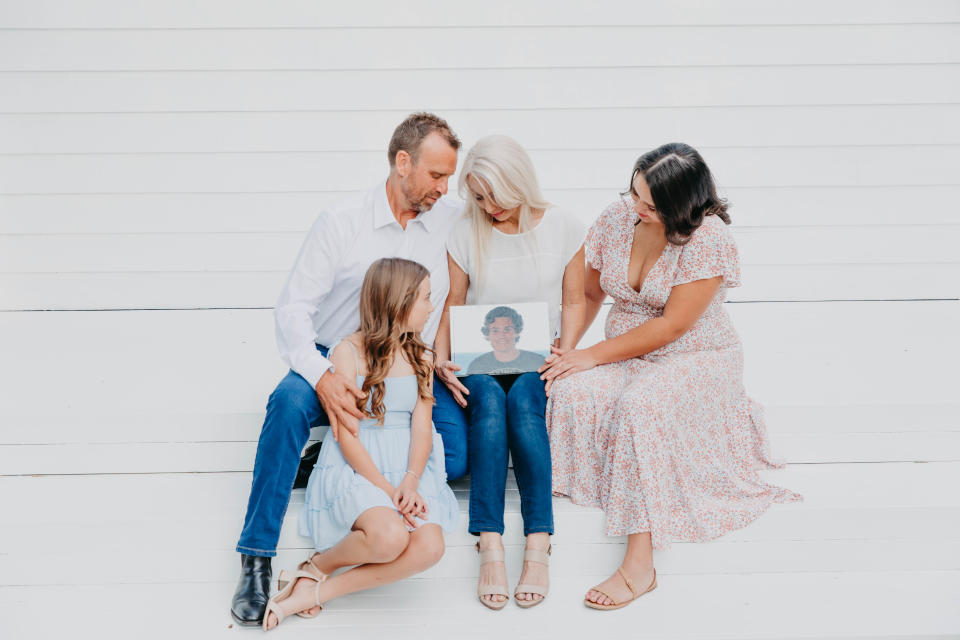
(506, 413)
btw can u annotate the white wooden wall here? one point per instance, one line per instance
(161, 161)
(171, 155)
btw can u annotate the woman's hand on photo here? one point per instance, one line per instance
(446, 371)
(555, 353)
(573, 361)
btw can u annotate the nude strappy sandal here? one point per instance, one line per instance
(486, 557)
(306, 565)
(289, 580)
(533, 555)
(620, 605)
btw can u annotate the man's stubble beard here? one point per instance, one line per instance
(416, 205)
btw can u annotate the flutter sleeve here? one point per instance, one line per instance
(600, 236)
(710, 252)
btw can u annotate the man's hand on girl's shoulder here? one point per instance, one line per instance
(338, 397)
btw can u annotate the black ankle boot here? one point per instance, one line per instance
(307, 462)
(253, 590)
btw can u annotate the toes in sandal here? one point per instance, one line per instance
(306, 565)
(619, 605)
(486, 557)
(289, 580)
(533, 555)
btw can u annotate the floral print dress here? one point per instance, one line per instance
(667, 442)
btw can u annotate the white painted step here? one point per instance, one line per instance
(183, 527)
(888, 604)
(160, 457)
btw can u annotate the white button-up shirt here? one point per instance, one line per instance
(321, 298)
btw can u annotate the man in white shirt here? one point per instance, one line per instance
(404, 217)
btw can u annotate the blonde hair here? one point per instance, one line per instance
(387, 296)
(502, 167)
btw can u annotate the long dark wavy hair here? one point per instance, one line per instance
(386, 297)
(682, 188)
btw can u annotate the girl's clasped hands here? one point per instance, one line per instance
(408, 501)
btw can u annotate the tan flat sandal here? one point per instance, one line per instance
(533, 555)
(306, 565)
(289, 580)
(486, 557)
(620, 605)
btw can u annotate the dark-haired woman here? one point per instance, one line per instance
(652, 424)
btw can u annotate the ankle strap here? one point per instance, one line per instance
(630, 584)
(538, 555)
(490, 555)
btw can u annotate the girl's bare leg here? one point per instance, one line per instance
(637, 563)
(379, 536)
(421, 549)
(424, 550)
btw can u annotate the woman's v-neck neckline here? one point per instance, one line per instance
(646, 276)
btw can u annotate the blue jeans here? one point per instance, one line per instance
(292, 410)
(507, 413)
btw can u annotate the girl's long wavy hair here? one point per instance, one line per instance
(682, 188)
(387, 296)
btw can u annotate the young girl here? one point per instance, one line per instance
(378, 500)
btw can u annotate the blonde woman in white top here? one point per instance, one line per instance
(510, 246)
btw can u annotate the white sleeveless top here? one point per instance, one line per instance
(523, 267)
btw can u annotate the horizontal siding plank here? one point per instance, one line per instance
(840, 512)
(95, 426)
(295, 211)
(639, 129)
(796, 354)
(208, 457)
(603, 169)
(55, 92)
(816, 518)
(473, 48)
(200, 290)
(797, 521)
(892, 485)
(214, 530)
(182, 252)
(294, 14)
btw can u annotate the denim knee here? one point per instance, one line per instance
(296, 405)
(482, 385)
(527, 395)
(294, 393)
(487, 406)
(456, 463)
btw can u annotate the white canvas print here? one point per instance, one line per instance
(499, 339)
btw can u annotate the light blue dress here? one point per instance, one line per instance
(336, 494)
